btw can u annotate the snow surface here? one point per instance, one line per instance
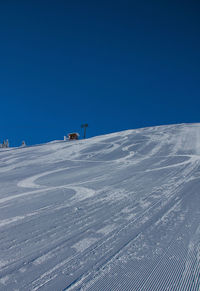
(114, 212)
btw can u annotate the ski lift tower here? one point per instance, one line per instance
(84, 126)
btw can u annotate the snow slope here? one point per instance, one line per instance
(114, 212)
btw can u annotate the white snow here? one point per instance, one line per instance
(113, 212)
(84, 244)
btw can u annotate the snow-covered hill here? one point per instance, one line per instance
(114, 212)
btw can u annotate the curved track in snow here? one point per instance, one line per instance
(114, 212)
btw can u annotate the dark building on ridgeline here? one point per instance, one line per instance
(73, 136)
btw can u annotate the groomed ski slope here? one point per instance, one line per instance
(114, 212)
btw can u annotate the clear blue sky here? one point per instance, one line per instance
(113, 64)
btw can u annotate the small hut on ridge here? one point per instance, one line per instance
(73, 136)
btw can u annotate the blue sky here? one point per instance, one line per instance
(114, 64)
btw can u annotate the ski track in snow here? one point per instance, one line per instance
(118, 212)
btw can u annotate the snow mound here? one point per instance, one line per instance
(113, 212)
